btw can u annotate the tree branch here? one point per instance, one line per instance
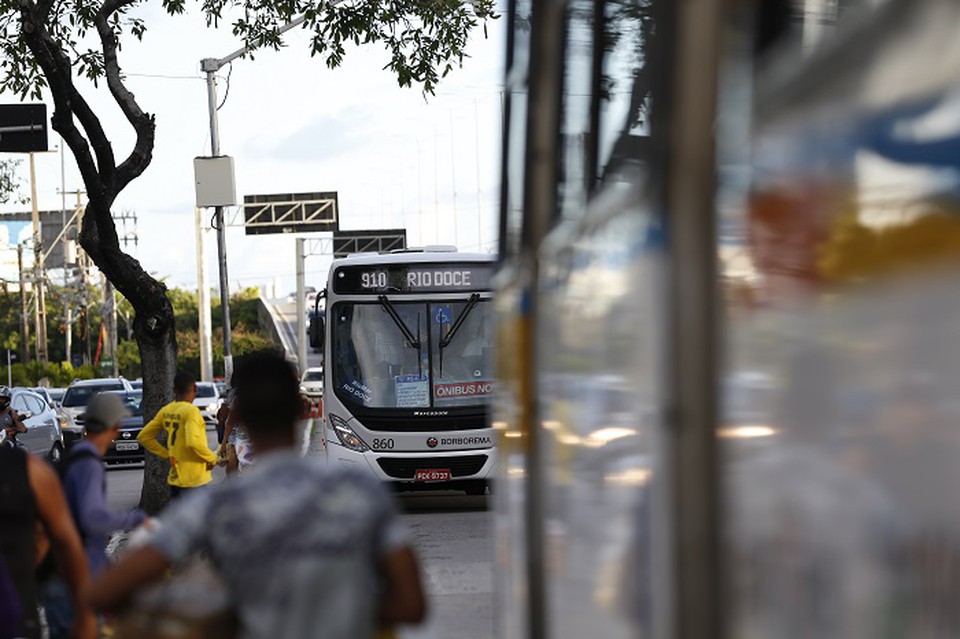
(142, 154)
(56, 68)
(58, 71)
(147, 295)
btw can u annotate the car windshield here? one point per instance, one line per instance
(313, 376)
(376, 364)
(78, 395)
(206, 390)
(133, 401)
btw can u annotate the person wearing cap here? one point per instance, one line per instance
(85, 479)
(84, 483)
(10, 422)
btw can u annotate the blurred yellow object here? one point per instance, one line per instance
(385, 633)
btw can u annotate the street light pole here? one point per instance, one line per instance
(210, 66)
(67, 310)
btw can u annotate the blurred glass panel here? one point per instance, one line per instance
(515, 104)
(510, 561)
(510, 521)
(579, 138)
(626, 84)
(600, 334)
(839, 435)
(601, 403)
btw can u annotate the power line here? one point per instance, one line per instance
(163, 76)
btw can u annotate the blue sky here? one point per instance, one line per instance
(395, 158)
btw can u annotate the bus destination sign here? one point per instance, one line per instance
(413, 278)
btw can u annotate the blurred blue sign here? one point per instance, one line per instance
(443, 315)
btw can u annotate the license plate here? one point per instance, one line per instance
(125, 446)
(432, 474)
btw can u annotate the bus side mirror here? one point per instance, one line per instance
(316, 332)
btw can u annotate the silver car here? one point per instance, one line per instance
(72, 432)
(43, 436)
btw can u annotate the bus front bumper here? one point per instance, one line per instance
(419, 469)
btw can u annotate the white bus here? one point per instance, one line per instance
(407, 350)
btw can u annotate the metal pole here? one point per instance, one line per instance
(453, 183)
(203, 302)
(24, 322)
(67, 311)
(301, 308)
(84, 300)
(36, 318)
(41, 313)
(540, 203)
(476, 148)
(9, 372)
(210, 66)
(693, 314)
(110, 319)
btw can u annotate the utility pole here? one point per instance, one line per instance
(301, 308)
(85, 311)
(67, 309)
(203, 304)
(24, 324)
(110, 323)
(211, 66)
(41, 313)
(72, 254)
(84, 299)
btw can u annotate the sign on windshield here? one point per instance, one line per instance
(413, 278)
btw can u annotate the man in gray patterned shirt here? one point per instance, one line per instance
(306, 550)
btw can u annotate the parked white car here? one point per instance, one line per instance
(311, 384)
(208, 401)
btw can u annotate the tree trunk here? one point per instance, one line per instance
(158, 359)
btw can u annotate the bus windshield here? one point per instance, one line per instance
(376, 365)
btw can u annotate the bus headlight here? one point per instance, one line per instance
(346, 436)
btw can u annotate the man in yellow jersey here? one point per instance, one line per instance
(191, 459)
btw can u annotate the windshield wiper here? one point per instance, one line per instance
(414, 342)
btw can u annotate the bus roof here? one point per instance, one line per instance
(411, 256)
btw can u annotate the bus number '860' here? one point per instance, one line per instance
(382, 444)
